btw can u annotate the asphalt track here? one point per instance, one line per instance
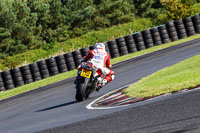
(54, 105)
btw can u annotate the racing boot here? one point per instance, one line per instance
(102, 84)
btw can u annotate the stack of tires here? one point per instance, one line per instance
(121, 43)
(139, 41)
(172, 31)
(44, 72)
(106, 47)
(52, 66)
(163, 34)
(77, 57)
(156, 36)
(189, 26)
(91, 47)
(85, 51)
(196, 22)
(114, 51)
(2, 88)
(61, 63)
(26, 73)
(17, 77)
(147, 38)
(35, 71)
(180, 28)
(69, 61)
(8, 81)
(130, 42)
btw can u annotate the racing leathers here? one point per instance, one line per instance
(101, 59)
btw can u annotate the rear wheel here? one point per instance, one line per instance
(81, 89)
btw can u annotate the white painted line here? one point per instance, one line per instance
(115, 95)
(89, 106)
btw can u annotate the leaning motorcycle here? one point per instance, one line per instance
(87, 82)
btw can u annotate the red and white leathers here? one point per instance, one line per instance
(101, 59)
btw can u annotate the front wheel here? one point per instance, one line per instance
(81, 90)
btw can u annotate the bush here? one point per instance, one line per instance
(178, 9)
(107, 34)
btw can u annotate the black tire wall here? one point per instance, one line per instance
(130, 42)
(70, 61)
(196, 22)
(52, 66)
(17, 77)
(26, 74)
(7, 79)
(172, 31)
(61, 63)
(2, 88)
(35, 71)
(43, 69)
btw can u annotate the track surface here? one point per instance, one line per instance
(54, 105)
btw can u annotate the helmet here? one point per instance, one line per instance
(98, 46)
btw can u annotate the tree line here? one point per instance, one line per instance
(33, 24)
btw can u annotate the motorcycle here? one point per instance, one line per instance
(88, 81)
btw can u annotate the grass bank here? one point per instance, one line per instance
(183, 75)
(63, 76)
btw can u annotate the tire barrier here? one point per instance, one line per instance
(196, 22)
(61, 63)
(35, 71)
(43, 69)
(189, 26)
(70, 61)
(121, 43)
(156, 36)
(85, 51)
(180, 29)
(162, 34)
(147, 38)
(52, 66)
(7, 79)
(114, 51)
(77, 57)
(17, 77)
(107, 48)
(2, 88)
(172, 31)
(91, 47)
(130, 42)
(139, 41)
(26, 74)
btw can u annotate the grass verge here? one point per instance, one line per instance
(183, 75)
(53, 79)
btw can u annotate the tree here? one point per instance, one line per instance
(177, 9)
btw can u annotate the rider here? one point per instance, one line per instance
(101, 59)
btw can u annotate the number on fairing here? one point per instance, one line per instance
(86, 73)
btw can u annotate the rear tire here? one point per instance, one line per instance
(81, 89)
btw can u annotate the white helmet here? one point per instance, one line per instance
(98, 46)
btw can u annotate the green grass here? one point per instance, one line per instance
(63, 76)
(183, 75)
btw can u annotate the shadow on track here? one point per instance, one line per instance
(57, 106)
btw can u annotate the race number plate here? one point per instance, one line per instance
(86, 73)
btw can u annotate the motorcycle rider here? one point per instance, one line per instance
(101, 60)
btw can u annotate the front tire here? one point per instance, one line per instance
(81, 89)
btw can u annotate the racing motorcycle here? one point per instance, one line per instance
(89, 80)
